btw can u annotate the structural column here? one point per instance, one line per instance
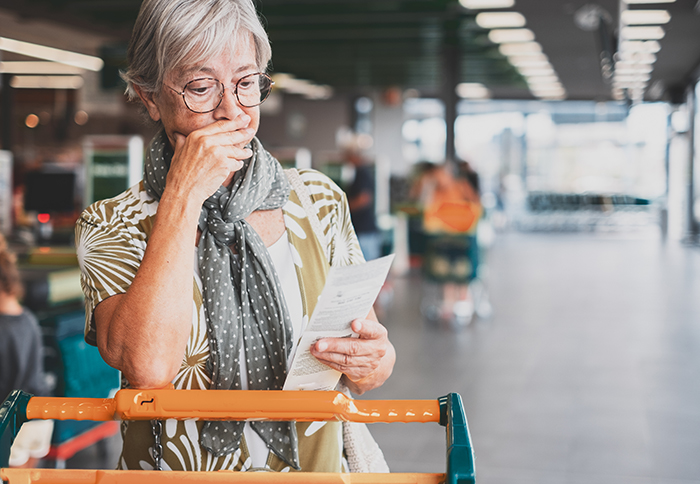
(6, 110)
(451, 77)
(692, 223)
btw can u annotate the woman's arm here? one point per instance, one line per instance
(144, 331)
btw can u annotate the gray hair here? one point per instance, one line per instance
(172, 34)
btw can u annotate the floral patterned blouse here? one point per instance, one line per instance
(111, 238)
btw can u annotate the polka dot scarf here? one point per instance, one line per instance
(243, 300)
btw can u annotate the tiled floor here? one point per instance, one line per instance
(588, 370)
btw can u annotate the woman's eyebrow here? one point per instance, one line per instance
(248, 67)
(188, 72)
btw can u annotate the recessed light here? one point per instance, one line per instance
(627, 75)
(472, 90)
(520, 48)
(537, 71)
(533, 60)
(636, 57)
(643, 33)
(558, 93)
(485, 4)
(501, 36)
(652, 46)
(640, 2)
(543, 80)
(645, 17)
(631, 66)
(496, 20)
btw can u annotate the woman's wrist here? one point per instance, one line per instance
(176, 205)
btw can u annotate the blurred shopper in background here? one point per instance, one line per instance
(451, 210)
(21, 360)
(361, 200)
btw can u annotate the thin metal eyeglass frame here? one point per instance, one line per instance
(221, 95)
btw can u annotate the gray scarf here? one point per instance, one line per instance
(243, 300)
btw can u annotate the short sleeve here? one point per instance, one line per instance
(109, 256)
(334, 214)
(345, 248)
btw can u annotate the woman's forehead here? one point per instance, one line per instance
(236, 58)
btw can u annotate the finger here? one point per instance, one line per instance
(369, 329)
(236, 139)
(346, 362)
(179, 140)
(348, 347)
(355, 370)
(237, 152)
(224, 125)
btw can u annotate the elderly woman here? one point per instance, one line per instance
(204, 274)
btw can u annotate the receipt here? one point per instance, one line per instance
(348, 294)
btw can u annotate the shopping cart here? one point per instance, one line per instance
(128, 404)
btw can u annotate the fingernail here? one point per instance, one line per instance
(245, 118)
(322, 346)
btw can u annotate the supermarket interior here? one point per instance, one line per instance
(530, 164)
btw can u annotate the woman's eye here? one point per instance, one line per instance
(246, 84)
(200, 88)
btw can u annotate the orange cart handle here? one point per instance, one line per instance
(88, 476)
(303, 406)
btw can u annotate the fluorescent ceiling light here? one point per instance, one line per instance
(641, 76)
(645, 17)
(652, 46)
(303, 87)
(554, 95)
(537, 71)
(500, 36)
(497, 20)
(550, 86)
(618, 94)
(542, 80)
(636, 57)
(643, 33)
(472, 90)
(46, 82)
(31, 67)
(484, 4)
(520, 48)
(559, 94)
(639, 2)
(630, 66)
(630, 84)
(49, 53)
(534, 60)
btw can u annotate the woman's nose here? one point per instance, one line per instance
(229, 107)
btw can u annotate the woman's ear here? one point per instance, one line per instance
(149, 102)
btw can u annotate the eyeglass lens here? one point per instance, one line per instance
(204, 95)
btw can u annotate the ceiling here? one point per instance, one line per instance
(357, 44)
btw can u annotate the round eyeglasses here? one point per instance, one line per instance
(204, 95)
